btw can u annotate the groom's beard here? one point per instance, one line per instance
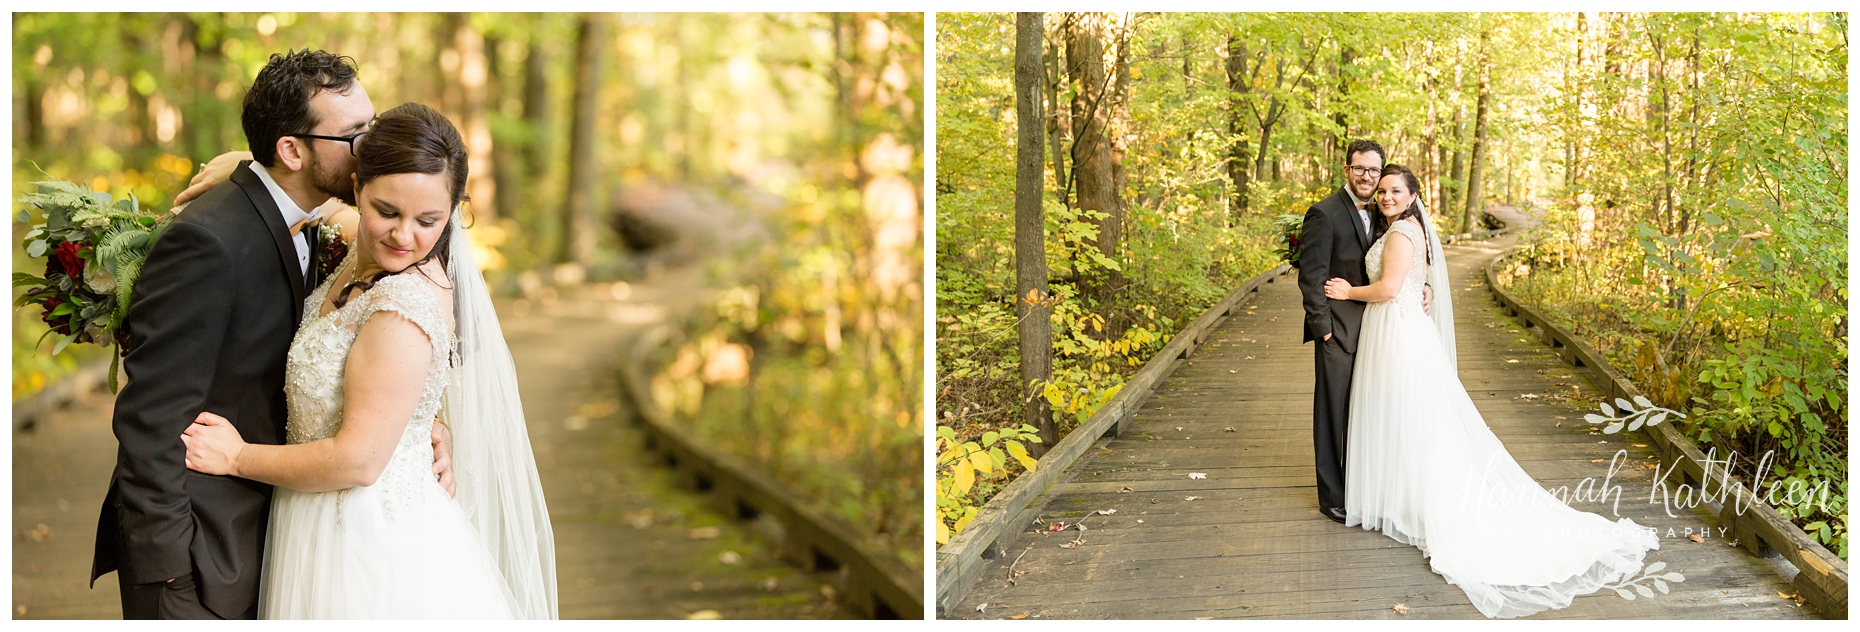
(326, 181)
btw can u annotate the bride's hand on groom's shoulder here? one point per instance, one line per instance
(211, 174)
(213, 445)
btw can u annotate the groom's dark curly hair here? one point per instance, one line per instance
(278, 104)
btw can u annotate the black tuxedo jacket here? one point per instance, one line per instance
(211, 320)
(1334, 242)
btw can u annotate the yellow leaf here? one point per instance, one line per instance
(982, 462)
(947, 457)
(942, 533)
(965, 479)
(1020, 454)
(964, 521)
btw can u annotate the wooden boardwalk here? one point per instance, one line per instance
(1247, 540)
(631, 541)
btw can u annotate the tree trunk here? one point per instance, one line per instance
(580, 229)
(1091, 156)
(1058, 123)
(1240, 154)
(536, 100)
(1474, 176)
(1345, 59)
(1035, 317)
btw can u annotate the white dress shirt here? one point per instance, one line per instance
(292, 215)
(1360, 211)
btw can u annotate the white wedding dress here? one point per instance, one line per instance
(1423, 468)
(401, 548)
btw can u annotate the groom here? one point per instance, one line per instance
(213, 314)
(1336, 236)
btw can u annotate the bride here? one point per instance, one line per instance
(402, 332)
(1424, 468)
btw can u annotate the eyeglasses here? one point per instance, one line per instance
(353, 140)
(1358, 171)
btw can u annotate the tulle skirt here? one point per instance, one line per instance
(366, 553)
(1422, 467)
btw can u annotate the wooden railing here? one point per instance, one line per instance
(1758, 527)
(959, 562)
(874, 582)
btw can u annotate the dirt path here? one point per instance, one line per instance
(630, 541)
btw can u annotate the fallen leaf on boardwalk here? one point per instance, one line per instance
(1178, 428)
(1510, 361)
(1638, 445)
(1529, 396)
(704, 533)
(730, 557)
(1561, 417)
(981, 607)
(1125, 490)
(1192, 498)
(1696, 538)
(1274, 319)
(1232, 371)
(1019, 616)
(1107, 511)
(1559, 424)
(1733, 542)
(1228, 429)
(1249, 357)
(1073, 544)
(1139, 521)
(1400, 609)
(1197, 475)
(1784, 595)
(1057, 526)
(1154, 501)
(1512, 330)
(39, 533)
(1596, 461)
(1249, 313)
(704, 615)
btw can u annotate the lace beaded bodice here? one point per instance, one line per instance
(314, 372)
(1408, 299)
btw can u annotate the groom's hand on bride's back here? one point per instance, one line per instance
(1427, 299)
(442, 457)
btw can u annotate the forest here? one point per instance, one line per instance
(778, 155)
(1689, 171)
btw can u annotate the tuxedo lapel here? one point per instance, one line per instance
(1356, 221)
(267, 210)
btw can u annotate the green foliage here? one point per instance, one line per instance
(970, 472)
(1713, 269)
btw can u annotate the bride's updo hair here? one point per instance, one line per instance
(1383, 222)
(412, 138)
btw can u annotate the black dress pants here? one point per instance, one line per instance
(1330, 419)
(178, 599)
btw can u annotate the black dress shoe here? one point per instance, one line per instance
(1333, 513)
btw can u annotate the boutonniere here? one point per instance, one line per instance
(331, 247)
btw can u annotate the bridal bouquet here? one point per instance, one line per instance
(93, 249)
(1290, 228)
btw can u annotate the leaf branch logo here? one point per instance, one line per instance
(1647, 576)
(1630, 417)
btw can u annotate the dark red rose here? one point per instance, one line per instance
(60, 324)
(331, 257)
(66, 258)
